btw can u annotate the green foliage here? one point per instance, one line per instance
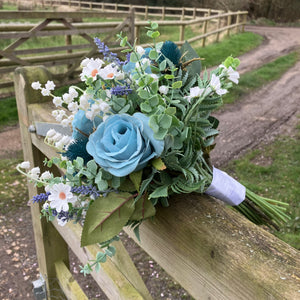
(106, 217)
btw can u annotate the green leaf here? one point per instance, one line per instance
(106, 217)
(149, 33)
(165, 122)
(193, 68)
(170, 111)
(177, 85)
(144, 94)
(160, 134)
(92, 167)
(143, 209)
(134, 57)
(161, 191)
(158, 164)
(155, 34)
(169, 76)
(146, 108)
(123, 41)
(153, 55)
(154, 25)
(163, 65)
(136, 178)
(127, 186)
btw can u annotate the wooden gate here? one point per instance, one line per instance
(211, 250)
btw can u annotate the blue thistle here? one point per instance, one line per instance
(78, 149)
(171, 51)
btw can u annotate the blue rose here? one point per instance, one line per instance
(82, 126)
(123, 144)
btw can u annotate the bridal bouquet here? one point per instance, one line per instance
(142, 130)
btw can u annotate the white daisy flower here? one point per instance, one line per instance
(60, 197)
(109, 72)
(91, 69)
(216, 85)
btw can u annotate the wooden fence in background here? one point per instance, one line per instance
(70, 25)
(209, 249)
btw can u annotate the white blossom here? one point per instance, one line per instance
(45, 92)
(57, 101)
(50, 85)
(67, 98)
(45, 175)
(216, 85)
(36, 85)
(196, 92)
(73, 93)
(34, 173)
(25, 165)
(91, 68)
(60, 197)
(109, 72)
(65, 122)
(73, 106)
(163, 89)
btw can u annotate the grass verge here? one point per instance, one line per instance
(261, 76)
(234, 45)
(274, 172)
(13, 185)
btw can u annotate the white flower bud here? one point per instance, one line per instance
(163, 89)
(50, 133)
(73, 93)
(46, 175)
(140, 50)
(25, 165)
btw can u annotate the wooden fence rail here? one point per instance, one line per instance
(69, 55)
(211, 250)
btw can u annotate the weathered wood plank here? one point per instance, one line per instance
(215, 253)
(67, 283)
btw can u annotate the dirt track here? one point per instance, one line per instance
(272, 110)
(259, 117)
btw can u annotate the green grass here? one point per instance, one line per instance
(256, 79)
(8, 112)
(274, 172)
(234, 45)
(13, 185)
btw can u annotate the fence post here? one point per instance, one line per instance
(228, 23)
(146, 12)
(50, 246)
(205, 28)
(116, 7)
(244, 22)
(163, 13)
(218, 27)
(194, 13)
(182, 14)
(237, 22)
(181, 31)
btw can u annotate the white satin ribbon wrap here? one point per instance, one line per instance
(226, 188)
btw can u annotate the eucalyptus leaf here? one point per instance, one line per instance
(106, 217)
